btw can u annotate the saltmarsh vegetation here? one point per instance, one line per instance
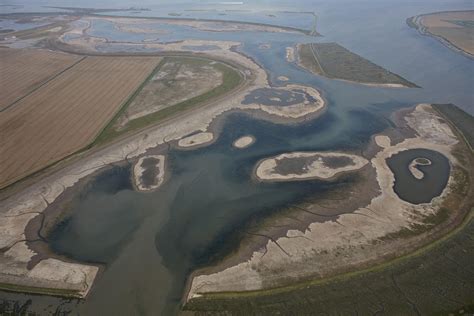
(231, 78)
(334, 61)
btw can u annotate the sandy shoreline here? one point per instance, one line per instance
(316, 168)
(360, 236)
(26, 201)
(196, 140)
(139, 170)
(244, 142)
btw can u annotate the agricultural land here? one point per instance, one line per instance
(24, 70)
(454, 29)
(67, 113)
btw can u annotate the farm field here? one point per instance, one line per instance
(67, 113)
(24, 70)
(336, 62)
(454, 27)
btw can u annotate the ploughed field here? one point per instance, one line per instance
(24, 70)
(66, 113)
(455, 27)
(334, 61)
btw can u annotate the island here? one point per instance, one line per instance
(413, 167)
(244, 142)
(149, 172)
(307, 165)
(332, 60)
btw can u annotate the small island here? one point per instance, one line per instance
(244, 142)
(149, 172)
(308, 165)
(195, 140)
(413, 167)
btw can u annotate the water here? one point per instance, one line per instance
(149, 242)
(414, 190)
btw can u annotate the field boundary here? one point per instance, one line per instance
(95, 145)
(42, 84)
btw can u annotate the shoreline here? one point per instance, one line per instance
(36, 192)
(263, 175)
(220, 281)
(415, 22)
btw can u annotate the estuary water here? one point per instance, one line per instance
(149, 242)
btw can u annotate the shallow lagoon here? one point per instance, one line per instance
(414, 190)
(150, 241)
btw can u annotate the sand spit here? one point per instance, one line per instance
(211, 26)
(283, 78)
(199, 139)
(417, 173)
(307, 165)
(153, 165)
(382, 141)
(354, 239)
(244, 142)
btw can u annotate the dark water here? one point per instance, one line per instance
(201, 213)
(415, 190)
(150, 241)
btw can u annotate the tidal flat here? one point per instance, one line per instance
(158, 252)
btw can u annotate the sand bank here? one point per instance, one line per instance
(149, 172)
(307, 165)
(244, 142)
(417, 173)
(355, 238)
(195, 140)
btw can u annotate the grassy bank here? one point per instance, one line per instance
(231, 78)
(421, 276)
(39, 290)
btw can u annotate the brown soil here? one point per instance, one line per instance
(67, 113)
(24, 70)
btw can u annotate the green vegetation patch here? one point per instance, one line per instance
(334, 61)
(39, 290)
(231, 78)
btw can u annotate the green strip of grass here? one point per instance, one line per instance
(231, 79)
(39, 290)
